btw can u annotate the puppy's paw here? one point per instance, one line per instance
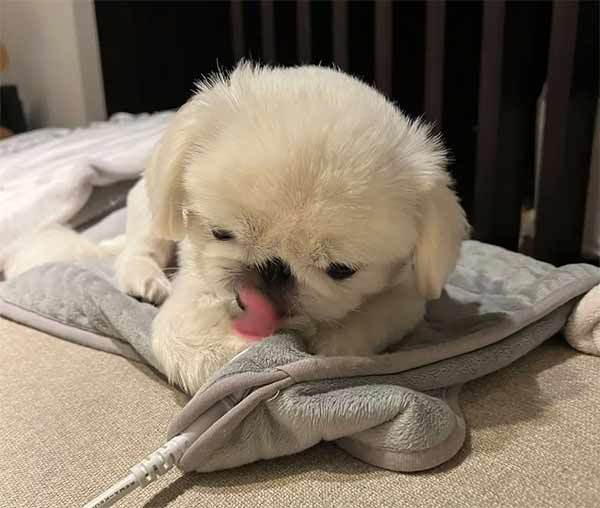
(143, 279)
(189, 356)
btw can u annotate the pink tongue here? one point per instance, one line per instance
(259, 320)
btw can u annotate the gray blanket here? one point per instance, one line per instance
(398, 410)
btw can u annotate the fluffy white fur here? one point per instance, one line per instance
(308, 165)
(311, 166)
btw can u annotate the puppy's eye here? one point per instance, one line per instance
(222, 234)
(338, 271)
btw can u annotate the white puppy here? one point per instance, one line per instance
(300, 199)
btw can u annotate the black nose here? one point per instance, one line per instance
(275, 272)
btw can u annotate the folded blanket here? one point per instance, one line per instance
(51, 179)
(583, 328)
(398, 410)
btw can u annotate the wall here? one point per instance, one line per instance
(54, 60)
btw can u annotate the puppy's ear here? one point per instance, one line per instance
(164, 172)
(443, 228)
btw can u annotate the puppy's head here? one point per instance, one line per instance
(308, 185)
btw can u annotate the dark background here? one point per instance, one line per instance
(152, 53)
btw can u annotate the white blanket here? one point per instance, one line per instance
(50, 180)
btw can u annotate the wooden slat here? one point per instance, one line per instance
(237, 29)
(461, 84)
(340, 34)
(490, 86)
(523, 74)
(434, 60)
(567, 138)
(303, 31)
(117, 25)
(384, 35)
(267, 19)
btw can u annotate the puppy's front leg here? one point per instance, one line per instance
(140, 265)
(191, 336)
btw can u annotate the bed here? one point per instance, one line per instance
(72, 418)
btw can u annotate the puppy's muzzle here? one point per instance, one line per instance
(275, 280)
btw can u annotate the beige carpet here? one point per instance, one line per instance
(72, 420)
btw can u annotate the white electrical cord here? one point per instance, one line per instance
(154, 465)
(162, 460)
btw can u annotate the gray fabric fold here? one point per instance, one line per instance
(398, 410)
